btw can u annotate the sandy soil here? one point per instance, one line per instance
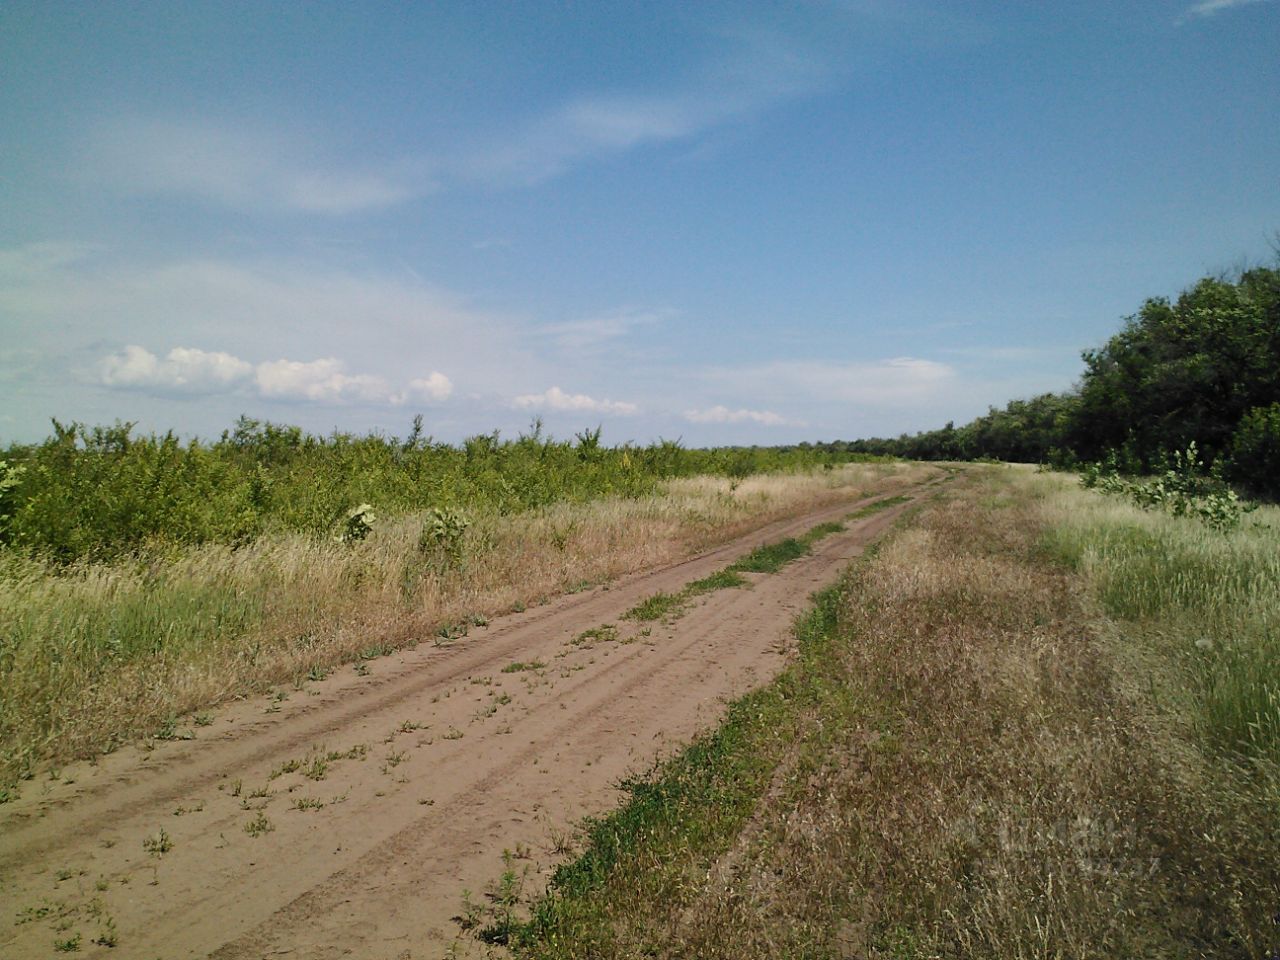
(378, 798)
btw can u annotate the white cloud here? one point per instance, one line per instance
(68, 301)
(434, 387)
(245, 170)
(557, 399)
(722, 414)
(193, 371)
(1211, 7)
(322, 380)
(184, 369)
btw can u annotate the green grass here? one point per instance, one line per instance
(520, 666)
(767, 558)
(721, 580)
(771, 557)
(1206, 602)
(656, 606)
(873, 508)
(814, 534)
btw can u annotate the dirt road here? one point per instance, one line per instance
(347, 819)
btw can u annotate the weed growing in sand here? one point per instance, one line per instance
(158, 844)
(519, 666)
(70, 945)
(259, 825)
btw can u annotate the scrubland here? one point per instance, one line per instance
(96, 652)
(1038, 722)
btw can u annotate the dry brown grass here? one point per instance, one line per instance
(97, 654)
(963, 768)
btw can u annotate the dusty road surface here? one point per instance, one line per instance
(346, 819)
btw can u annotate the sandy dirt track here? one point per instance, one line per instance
(378, 798)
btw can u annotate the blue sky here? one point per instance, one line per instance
(730, 223)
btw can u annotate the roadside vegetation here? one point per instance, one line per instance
(130, 595)
(766, 558)
(1037, 722)
(101, 493)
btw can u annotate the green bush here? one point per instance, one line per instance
(99, 493)
(1182, 487)
(1255, 452)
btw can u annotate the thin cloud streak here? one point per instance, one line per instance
(595, 333)
(154, 156)
(722, 414)
(1212, 8)
(758, 73)
(895, 382)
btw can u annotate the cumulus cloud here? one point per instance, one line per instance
(557, 399)
(193, 371)
(722, 414)
(323, 380)
(434, 387)
(183, 369)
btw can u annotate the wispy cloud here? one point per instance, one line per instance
(722, 414)
(594, 333)
(1211, 8)
(755, 72)
(559, 401)
(192, 371)
(233, 167)
(898, 381)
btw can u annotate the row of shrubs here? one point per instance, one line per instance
(100, 492)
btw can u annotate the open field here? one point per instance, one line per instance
(1030, 721)
(97, 654)
(352, 813)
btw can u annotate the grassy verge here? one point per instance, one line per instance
(93, 654)
(766, 558)
(961, 762)
(1200, 608)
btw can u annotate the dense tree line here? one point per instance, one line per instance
(1203, 368)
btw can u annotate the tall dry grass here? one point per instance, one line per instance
(1201, 605)
(94, 654)
(958, 765)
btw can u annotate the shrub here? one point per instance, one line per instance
(1182, 488)
(1255, 452)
